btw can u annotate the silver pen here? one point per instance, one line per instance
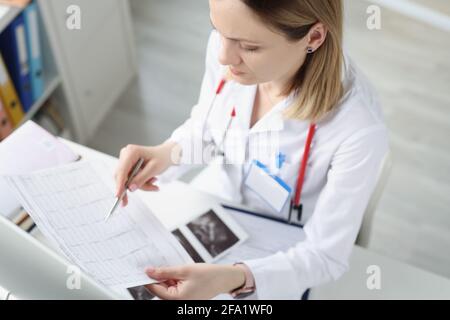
(135, 171)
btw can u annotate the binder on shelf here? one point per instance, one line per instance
(9, 96)
(23, 220)
(27, 149)
(13, 45)
(30, 15)
(5, 124)
(50, 119)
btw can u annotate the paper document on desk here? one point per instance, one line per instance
(28, 149)
(69, 205)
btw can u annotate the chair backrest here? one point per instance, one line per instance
(366, 226)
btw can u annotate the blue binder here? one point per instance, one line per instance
(34, 50)
(261, 215)
(13, 45)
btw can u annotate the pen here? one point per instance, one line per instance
(136, 169)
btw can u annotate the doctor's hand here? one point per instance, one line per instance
(195, 282)
(156, 160)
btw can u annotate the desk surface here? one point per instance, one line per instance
(398, 280)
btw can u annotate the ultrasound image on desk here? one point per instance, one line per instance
(140, 293)
(187, 246)
(213, 233)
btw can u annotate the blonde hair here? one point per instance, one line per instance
(318, 83)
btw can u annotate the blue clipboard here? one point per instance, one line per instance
(262, 215)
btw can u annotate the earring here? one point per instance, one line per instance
(310, 50)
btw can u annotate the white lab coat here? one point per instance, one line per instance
(341, 175)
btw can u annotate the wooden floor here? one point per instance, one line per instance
(408, 62)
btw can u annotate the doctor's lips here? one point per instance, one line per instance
(236, 72)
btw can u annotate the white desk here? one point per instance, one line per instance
(398, 280)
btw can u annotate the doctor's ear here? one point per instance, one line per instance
(316, 37)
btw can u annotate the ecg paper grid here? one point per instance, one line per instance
(69, 205)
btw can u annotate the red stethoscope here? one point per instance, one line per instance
(295, 204)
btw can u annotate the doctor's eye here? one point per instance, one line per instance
(251, 49)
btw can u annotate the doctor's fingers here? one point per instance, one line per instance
(129, 156)
(167, 273)
(144, 176)
(150, 186)
(125, 200)
(164, 291)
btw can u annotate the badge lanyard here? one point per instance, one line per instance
(296, 204)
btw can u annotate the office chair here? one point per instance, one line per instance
(363, 238)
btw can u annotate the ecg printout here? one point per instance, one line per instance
(69, 205)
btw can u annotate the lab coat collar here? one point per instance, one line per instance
(272, 121)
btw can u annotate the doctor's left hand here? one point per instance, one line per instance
(195, 282)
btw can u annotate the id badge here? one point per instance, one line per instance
(271, 189)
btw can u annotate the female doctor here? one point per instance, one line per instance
(287, 126)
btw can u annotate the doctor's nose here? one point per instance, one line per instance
(229, 54)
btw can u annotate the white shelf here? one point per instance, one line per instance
(7, 15)
(50, 88)
(66, 134)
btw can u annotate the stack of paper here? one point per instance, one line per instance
(69, 205)
(28, 149)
